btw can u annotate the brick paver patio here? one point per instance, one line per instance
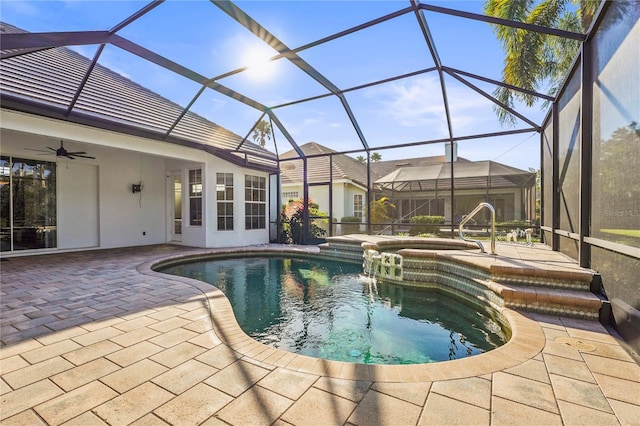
(94, 338)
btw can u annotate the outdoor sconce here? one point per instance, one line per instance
(136, 187)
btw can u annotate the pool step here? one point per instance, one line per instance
(507, 275)
(349, 251)
(515, 285)
(568, 303)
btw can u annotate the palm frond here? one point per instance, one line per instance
(505, 96)
(534, 60)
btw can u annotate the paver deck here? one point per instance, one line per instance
(96, 337)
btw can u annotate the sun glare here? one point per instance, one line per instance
(259, 68)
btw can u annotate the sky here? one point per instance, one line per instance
(200, 36)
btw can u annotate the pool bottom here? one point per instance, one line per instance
(328, 310)
(526, 342)
(386, 323)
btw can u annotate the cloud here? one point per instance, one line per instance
(417, 102)
(412, 103)
(311, 121)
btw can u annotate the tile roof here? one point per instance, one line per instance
(46, 82)
(342, 166)
(421, 173)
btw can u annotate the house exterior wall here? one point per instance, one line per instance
(77, 228)
(343, 192)
(96, 207)
(239, 236)
(320, 196)
(350, 191)
(125, 218)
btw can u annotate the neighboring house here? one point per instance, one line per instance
(348, 191)
(426, 190)
(416, 186)
(194, 187)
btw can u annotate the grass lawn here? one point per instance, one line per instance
(624, 232)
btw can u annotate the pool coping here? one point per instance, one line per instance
(527, 337)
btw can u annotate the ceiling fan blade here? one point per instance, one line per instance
(61, 152)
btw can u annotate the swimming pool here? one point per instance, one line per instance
(326, 309)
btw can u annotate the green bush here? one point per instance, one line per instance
(379, 213)
(292, 218)
(350, 225)
(426, 224)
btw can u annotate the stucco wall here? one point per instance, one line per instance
(96, 207)
(239, 236)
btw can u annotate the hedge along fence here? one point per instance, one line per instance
(516, 224)
(426, 224)
(350, 225)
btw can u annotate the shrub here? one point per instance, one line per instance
(292, 220)
(350, 225)
(426, 224)
(423, 235)
(379, 213)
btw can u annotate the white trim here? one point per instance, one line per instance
(57, 129)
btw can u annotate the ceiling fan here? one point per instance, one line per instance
(62, 152)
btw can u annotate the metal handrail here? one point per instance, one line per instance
(493, 226)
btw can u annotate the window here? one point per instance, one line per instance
(195, 197)
(358, 205)
(255, 206)
(224, 195)
(27, 204)
(289, 195)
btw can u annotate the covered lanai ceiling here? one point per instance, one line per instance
(354, 76)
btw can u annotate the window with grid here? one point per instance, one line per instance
(290, 195)
(224, 195)
(255, 206)
(195, 197)
(358, 206)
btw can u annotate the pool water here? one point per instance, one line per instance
(327, 309)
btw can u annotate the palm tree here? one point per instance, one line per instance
(262, 132)
(361, 159)
(379, 212)
(375, 157)
(533, 59)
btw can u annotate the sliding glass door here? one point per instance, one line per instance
(27, 204)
